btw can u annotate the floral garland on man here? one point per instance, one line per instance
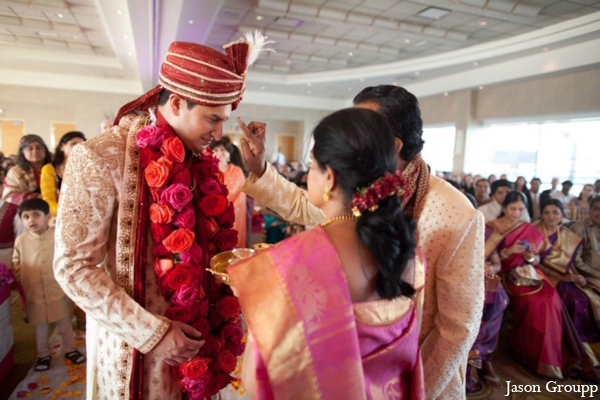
(190, 221)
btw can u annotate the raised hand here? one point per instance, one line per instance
(253, 146)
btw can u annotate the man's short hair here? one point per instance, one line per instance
(34, 205)
(536, 179)
(500, 183)
(401, 109)
(164, 97)
(595, 200)
(567, 183)
(482, 180)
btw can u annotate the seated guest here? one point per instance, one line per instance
(480, 369)
(347, 291)
(52, 173)
(558, 267)
(597, 186)
(535, 198)
(22, 181)
(521, 186)
(536, 305)
(492, 210)
(580, 207)
(564, 196)
(589, 229)
(546, 194)
(482, 192)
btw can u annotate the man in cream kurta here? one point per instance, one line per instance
(100, 209)
(451, 234)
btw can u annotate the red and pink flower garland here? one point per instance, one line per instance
(191, 221)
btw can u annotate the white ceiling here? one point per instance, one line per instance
(326, 50)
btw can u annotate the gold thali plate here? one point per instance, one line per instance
(220, 262)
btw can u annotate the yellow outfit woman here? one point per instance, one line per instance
(49, 188)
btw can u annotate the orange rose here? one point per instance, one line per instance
(180, 240)
(173, 149)
(155, 193)
(156, 174)
(161, 214)
(166, 162)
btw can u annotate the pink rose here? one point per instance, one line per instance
(210, 186)
(232, 332)
(196, 387)
(177, 195)
(186, 218)
(185, 296)
(193, 255)
(150, 136)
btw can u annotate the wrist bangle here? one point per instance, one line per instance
(530, 259)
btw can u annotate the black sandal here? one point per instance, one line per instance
(42, 364)
(75, 357)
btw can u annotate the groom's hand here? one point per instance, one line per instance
(253, 146)
(176, 347)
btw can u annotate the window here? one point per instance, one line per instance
(438, 151)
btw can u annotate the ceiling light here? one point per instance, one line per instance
(417, 73)
(407, 41)
(1, 110)
(75, 37)
(545, 49)
(125, 37)
(475, 64)
(259, 17)
(119, 12)
(262, 88)
(433, 13)
(480, 87)
(59, 15)
(129, 53)
(349, 88)
(483, 23)
(362, 79)
(446, 94)
(350, 54)
(288, 61)
(191, 22)
(395, 83)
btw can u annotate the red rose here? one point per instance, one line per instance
(181, 174)
(205, 169)
(211, 227)
(160, 232)
(217, 383)
(195, 367)
(227, 360)
(227, 239)
(210, 186)
(161, 213)
(160, 250)
(156, 174)
(212, 346)
(213, 204)
(173, 149)
(203, 326)
(228, 307)
(236, 348)
(186, 218)
(185, 296)
(181, 274)
(147, 155)
(180, 240)
(227, 218)
(179, 313)
(232, 332)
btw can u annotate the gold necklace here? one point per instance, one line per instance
(339, 218)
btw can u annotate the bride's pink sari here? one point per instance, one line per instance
(311, 341)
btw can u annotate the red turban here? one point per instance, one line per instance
(202, 74)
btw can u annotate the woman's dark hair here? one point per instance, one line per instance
(552, 202)
(527, 193)
(26, 141)
(512, 197)
(358, 145)
(59, 155)
(235, 155)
